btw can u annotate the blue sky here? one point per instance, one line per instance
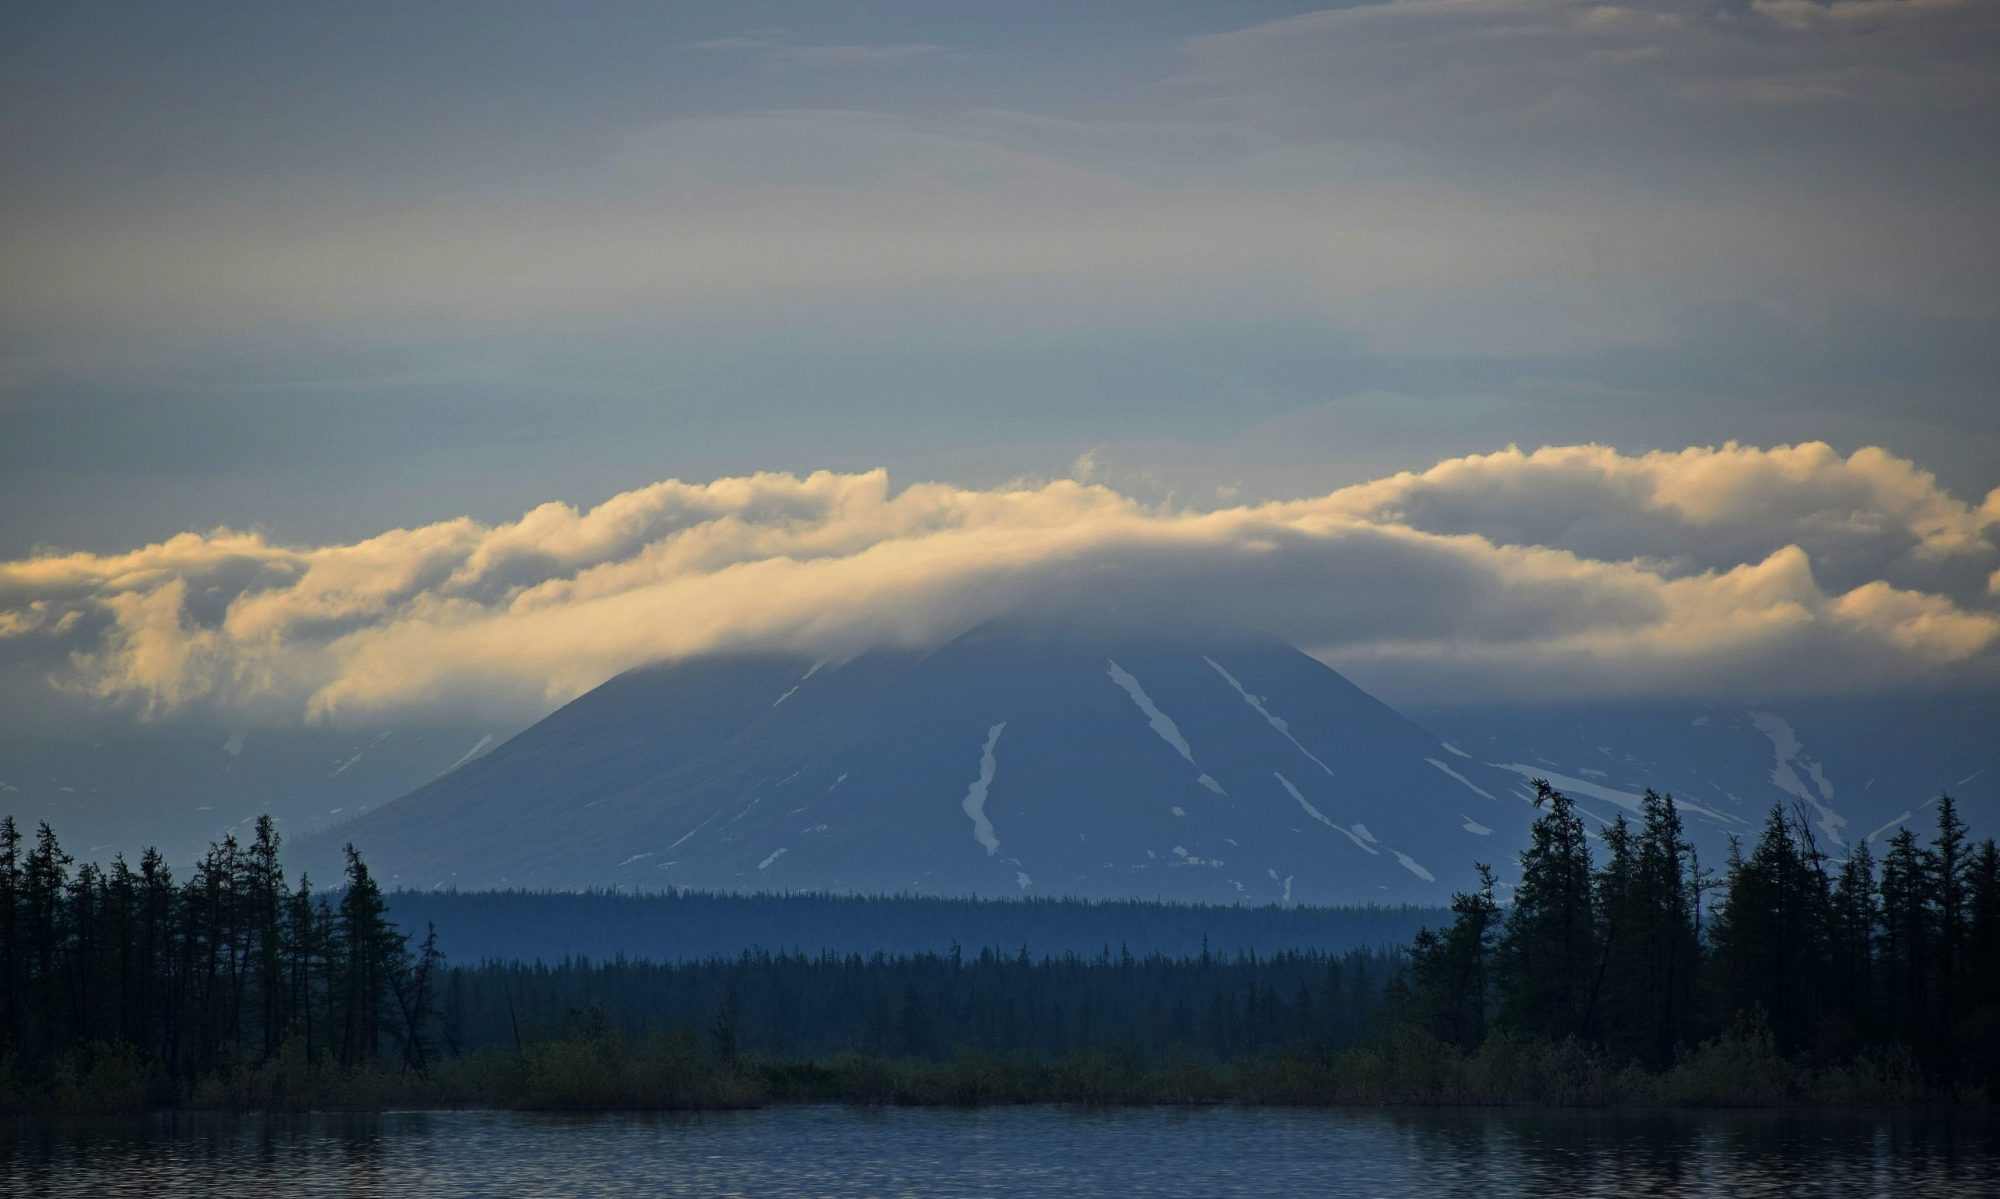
(329, 269)
(368, 283)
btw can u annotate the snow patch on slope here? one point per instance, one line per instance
(1320, 816)
(1461, 778)
(1892, 824)
(478, 747)
(684, 837)
(1405, 860)
(1788, 751)
(1624, 799)
(795, 686)
(1413, 866)
(1903, 819)
(1162, 723)
(974, 802)
(1274, 721)
(342, 767)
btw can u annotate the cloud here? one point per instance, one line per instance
(855, 56)
(1512, 178)
(732, 43)
(1542, 72)
(1682, 157)
(1814, 14)
(152, 651)
(776, 52)
(1574, 570)
(1866, 516)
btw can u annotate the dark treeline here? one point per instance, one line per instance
(124, 987)
(1626, 974)
(130, 972)
(1637, 956)
(530, 926)
(933, 1005)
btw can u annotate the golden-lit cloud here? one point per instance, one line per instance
(1573, 569)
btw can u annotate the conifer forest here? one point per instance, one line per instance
(1619, 969)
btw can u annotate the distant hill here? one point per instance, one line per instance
(1861, 766)
(111, 784)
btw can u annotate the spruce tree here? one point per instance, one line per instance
(1618, 1005)
(44, 881)
(1908, 938)
(1851, 936)
(13, 957)
(1662, 947)
(1951, 864)
(370, 949)
(1548, 955)
(1770, 933)
(1449, 976)
(1980, 1030)
(264, 901)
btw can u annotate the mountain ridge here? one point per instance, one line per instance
(1010, 760)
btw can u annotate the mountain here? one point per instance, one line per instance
(762, 772)
(109, 784)
(1010, 761)
(1860, 766)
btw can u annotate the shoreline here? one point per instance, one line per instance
(1942, 1110)
(681, 1072)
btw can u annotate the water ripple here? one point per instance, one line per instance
(837, 1152)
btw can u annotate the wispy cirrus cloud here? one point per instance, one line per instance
(1572, 570)
(1516, 178)
(774, 50)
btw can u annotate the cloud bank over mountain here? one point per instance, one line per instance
(1566, 570)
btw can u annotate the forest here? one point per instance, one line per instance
(1621, 972)
(112, 972)
(1643, 954)
(668, 926)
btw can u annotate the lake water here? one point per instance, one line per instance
(838, 1151)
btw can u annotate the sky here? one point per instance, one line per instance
(356, 357)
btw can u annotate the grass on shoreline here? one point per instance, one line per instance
(678, 1071)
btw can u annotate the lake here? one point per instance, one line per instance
(1031, 1151)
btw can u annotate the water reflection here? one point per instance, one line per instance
(1707, 1153)
(832, 1151)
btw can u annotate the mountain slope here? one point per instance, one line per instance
(108, 786)
(1009, 761)
(1861, 767)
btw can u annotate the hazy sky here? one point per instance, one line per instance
(325, 270)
